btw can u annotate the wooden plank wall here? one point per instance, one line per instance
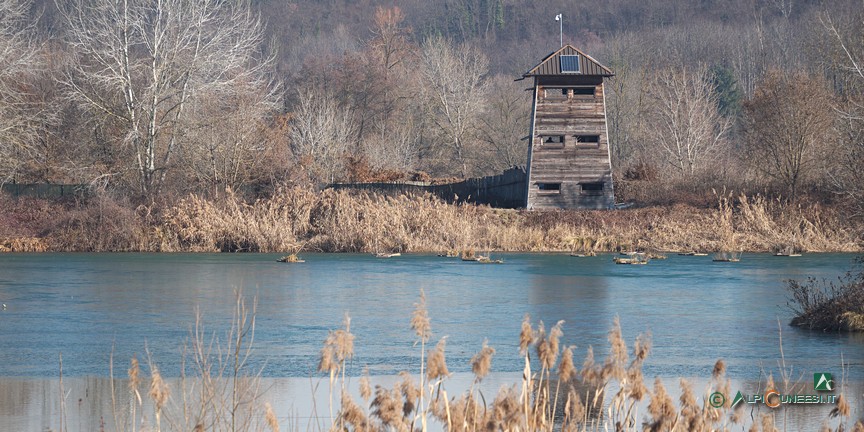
(572, 163)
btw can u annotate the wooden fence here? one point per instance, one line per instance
(506, 190)
(47, 191)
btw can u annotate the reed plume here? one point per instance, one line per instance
(573, 408)
(636, 384)
(544, 351)
(641, 348)
(754, 427)
(842, 409)
(437, 367)
(589, 373)
(691, 412)
(769, 384)
(661, 408)
(365, 386)
(505, 413)
(420, 319)
(481, 363)
(134, 375)
(719, 369)
(423, 329)
(159, 393)
(410, 393)
(768, 423)
(387, 406)
(526, 336)
(617, 358)
(566, 369)
(338, 347)
(351, 414)
(270, 418)
(159, 390)
(548, 346)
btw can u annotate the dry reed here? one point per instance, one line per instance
(437, 365)
(343, 221)
(270, 417)
(481, 363)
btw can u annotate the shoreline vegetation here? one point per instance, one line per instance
(829, 306)
(219, 390)
(297, 219)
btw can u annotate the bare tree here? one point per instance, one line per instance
(626, 98)
(390, 43)
(788, 125)
(320, 134)
(227, 137)
(453, 76)
(686, 125)
(394, 145)
(849, 178)
(19, 116)
(143, 63)
(505, 124)
(846, 38)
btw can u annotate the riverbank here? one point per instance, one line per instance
(340, 221)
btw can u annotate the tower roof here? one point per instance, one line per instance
(582, 65)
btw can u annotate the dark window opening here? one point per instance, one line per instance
(556, 93)
(592, 189)
(583, 91)
(552, 141)
(549, 188)
(587, 140)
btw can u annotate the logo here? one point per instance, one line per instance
(717, 399)
(738, 398)
(823, 382)
(772, 398)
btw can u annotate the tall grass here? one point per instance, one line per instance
(345, 221)
(217, 389)
(339, 221)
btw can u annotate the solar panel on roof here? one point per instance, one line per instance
(569, 63)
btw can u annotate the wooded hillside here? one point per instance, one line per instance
(153, 100)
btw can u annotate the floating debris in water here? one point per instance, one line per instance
(293, 258)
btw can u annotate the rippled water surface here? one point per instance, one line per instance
(85, 305)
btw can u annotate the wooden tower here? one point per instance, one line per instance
(568, 156)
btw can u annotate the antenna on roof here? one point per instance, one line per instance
(560, 19)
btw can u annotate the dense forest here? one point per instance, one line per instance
(150, 101)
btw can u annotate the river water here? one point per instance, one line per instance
(87, 306)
